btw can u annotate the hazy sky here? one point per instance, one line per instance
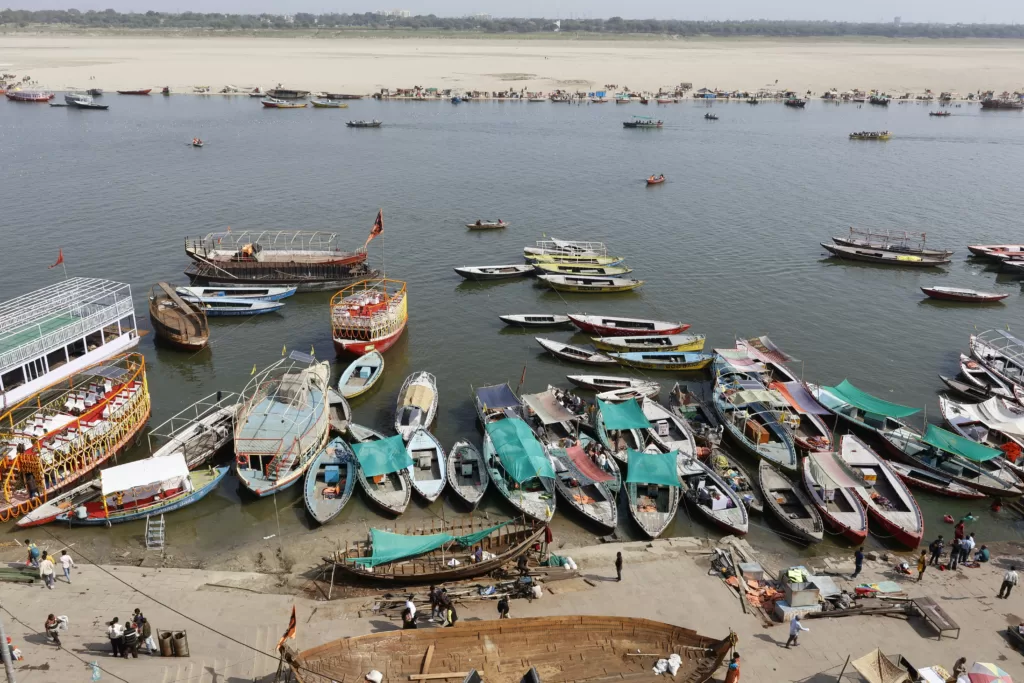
(948, 11)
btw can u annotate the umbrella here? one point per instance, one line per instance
(983, 672)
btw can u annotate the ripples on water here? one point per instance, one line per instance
(729, 243)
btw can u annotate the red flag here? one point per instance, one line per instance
(378, 227)
(290, 632)
(60, 259)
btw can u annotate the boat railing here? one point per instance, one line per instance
(1003, 343)
(191, 416)
(898, 237)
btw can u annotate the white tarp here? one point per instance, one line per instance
(144, 473)
(994, 414)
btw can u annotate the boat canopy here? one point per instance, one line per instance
(548, 409)
(868, 403)
(830, 473)
(948, 441)
(748, 396)
(625, 415)
(798, 397)
(133, 475)
(383, 456)
(388, 546)
(497, 397)
(739, 360)
(652, 468)
(768, 350)
(521, 454)
(995, 414)
(586, 466)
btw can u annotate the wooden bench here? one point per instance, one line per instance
(936, 616)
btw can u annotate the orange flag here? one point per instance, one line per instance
(60, 259)
(290, 632)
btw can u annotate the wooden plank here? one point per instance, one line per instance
(438, 677)
(426, 659)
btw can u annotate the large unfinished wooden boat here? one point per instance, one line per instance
(176, 321)
(560, 649)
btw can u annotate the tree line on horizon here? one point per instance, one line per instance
(614, 25)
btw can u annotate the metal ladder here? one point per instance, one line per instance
(154, 533)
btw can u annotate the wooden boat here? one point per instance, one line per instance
(711, 117)
(882, 492)
(48, 511)
(575, 259)
(369, 315)
(708, 494)
(637, 393)
(1002, 355)
(287, 94)
(590, 285)
(80, 101)
(422, 556)
(667, 431)
(652, 342)
(139, 489)
(330, 480)
(996, 251)
(994, 422)
(577, 354)
(655, 180)
(829, 485)
(226, 306)
(791, 505)
(980, 376)
(621, 431)
(467, 473)
(607, 382)
(383, 470)
(146, 91)
(796, 103)
(933, 482)
(664, 360)
(652, 505)
(197, 143)
(584, 486)
(898, 241)
(643, 122)
(609, 326)
(338, 96)
(274, 103)
(939, 113)
(964, 295)
(871, 135)
(282, 424)
(494, 272)
(487, 225)
(750, 415)
(239, 292)
(57, 436)
(888, 258)
(582, 269)
(361, 375)
(429, 473)
(666, 100)
(364, 124)
(968, 391)
(339, 410)
(559, 247)
(417, 404)
(534, 496)
(176, 321)
(329, 104)
(571, 648)
(534, 320)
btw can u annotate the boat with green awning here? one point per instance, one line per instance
(652, 489)
(519, 468)
(384, 470)
(750, 413)
(618, 427)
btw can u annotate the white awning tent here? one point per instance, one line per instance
(141, 473)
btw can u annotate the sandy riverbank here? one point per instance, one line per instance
(364, 65)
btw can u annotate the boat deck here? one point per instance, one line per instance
(35, 330)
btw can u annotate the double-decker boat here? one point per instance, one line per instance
(369, 316)
(60, 434)
(29, 95)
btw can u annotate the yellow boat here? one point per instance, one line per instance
(586, 284)
(574, 260)
(582, 269)
(883, 135)
(663, 342)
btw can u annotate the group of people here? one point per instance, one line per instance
(127, 638)
(960, 550)
(47, 564)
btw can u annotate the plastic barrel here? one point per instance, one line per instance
(180, 644)
(165, 644)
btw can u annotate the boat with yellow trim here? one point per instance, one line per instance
(665, 342)
(587, 284)
(575, 259)
(664, 360)
(582, 269)
(871, 135)
(369, 315)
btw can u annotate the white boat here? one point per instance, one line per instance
(240, 292)
(226, 306)
(667, 430)
(198, 432)
(534, 320)
(417, 404)
(609, 382)
(578, 354)
(711, 496)
(494, 272)
(638, 393)
(361, 374)
(467, 473)
(557, 247)
(429, 472)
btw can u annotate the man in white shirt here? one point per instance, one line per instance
(794, 630)
(966, 548)
(116, 634)
(66, 564)
(1009, 581)
(411, 606)
(46, 571)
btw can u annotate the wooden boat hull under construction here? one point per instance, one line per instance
(570, 648)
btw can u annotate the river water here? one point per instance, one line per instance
(728, 244)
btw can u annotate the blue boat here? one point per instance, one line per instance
(330, 481)
(239, 292)
(223, 305)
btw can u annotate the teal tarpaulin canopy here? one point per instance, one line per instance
(521, 454)
(652, 468)
(625, 415)
(388, 547)
(953, 443)
(859, 399)
(383, 456)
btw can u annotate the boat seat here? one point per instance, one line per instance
(467, 469)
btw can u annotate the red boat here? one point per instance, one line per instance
(831, 491)
(135, 92)
(605, 326)
(29, 96)
(656, 180)
(965, 295)
(368, 316)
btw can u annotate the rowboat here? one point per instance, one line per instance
(575, 259)
(750, 415)
(383, 469)
(534, 320)
(637, 393)
(224, 306)
(519, 468)
(146, 91)
(584, 486)
(607, 382)
(829, 484)
(609, 326)
(70, 500)
(429, 472)
(139, 489)
(888, 258)
(897, 241)
(369, 315)
(417, 404)
(968, 391)
(330, 480)
(964, 295)
(559, 247)
(197, 143)
(273, 103)
(706, 492)
(585, 647)
(980, 376)
(339, 410)
(882, 492)
(621, 427)
(584, 284)
(995, 251)
(329, 104)
(871, 135)
(198, 432)
(583, 269)
(667, 430)
(467, 473)
(659, 342)
(656, 180)
(361, 375)
(494, 272)
(424, 556)
(282, 424)
(487, 225)
(240, 292)
(364, 124)
(1002, 355)
(932, 482)
(576, 354)
(790, 505)
(994, 422)
(652, 490)
(176, 321)
(664, 360)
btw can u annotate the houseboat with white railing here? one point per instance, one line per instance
(369, 316)
(52, 333)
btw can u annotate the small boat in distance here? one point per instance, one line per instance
(939, 113)
(363, 124)
(962, 295)
(995, 251)
(583, 269)
(871, 135)
(273, 103)
(286, 94)
(643, 122)
(494, 272)
(576, 354)
(29, 95)
(711, 117)
(253, 292)
(196, 142)
(329, 104)
(135, 92)
(798, 104)
(534, 320)
(80, 101)
(487, 225)
(656, 179)
(637, 393)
